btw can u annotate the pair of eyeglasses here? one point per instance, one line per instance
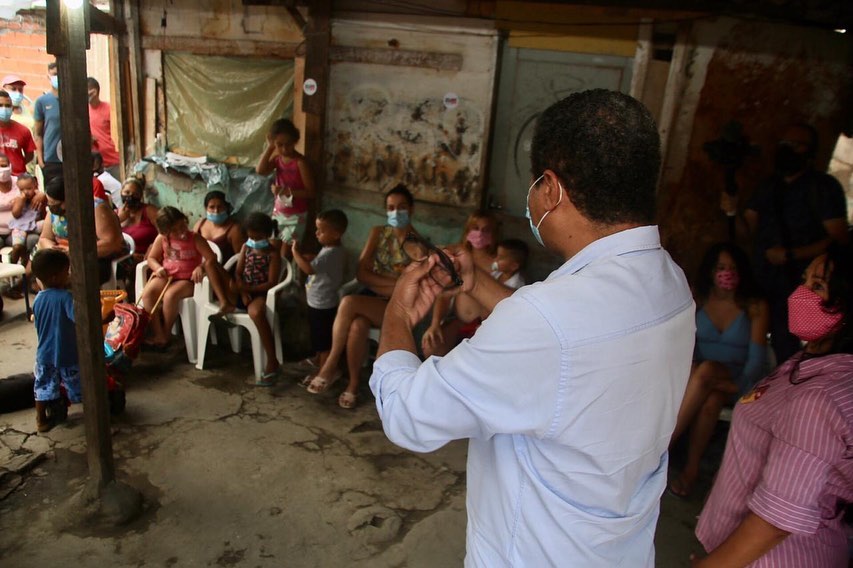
(444, 273)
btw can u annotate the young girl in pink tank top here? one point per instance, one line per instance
(179, 254)
(293, 186)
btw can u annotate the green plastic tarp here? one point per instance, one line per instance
(222, 107)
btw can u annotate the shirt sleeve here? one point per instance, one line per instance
(27, 143)
(807, 442)
(38, 111)
(502, 381)
(833, 203)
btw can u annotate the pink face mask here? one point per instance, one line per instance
(479, 239)
(808, 319)
(726, 279)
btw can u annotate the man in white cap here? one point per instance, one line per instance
(14, 85)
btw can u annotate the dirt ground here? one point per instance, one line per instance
(235, 475)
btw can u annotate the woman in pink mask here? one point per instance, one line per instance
(787, 474)
(731, 339)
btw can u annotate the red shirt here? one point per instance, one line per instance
(16, 142)
(102, 138)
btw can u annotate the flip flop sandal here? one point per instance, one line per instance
(305, 381)
(321, 384)
(268, 379)
(347, 400)
(213, 318)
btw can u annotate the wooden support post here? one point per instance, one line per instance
(132, 78)
(77, 172)
(317, 40)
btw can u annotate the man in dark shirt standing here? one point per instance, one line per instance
(792, 217)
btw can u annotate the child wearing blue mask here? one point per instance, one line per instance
(258, 270)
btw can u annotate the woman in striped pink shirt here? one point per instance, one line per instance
(787, 473)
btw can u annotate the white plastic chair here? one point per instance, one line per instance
(242, 319)
(112, 283)
(187, 309)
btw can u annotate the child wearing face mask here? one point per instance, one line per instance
(258, 270)
(730, 354)
(293, 185)
(27, 217)
(177, 254)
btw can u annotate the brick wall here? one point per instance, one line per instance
(23, 52)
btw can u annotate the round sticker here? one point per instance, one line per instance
(451, 101)
(309, 87)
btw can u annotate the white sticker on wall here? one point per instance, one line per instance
(451, 101)
(309, 87)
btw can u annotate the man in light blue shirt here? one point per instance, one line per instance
(569, 391)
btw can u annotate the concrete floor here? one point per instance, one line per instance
(234, 475)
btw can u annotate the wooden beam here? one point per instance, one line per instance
(641, 60)
(132, 77)
(103, 23)
(77, 173)
(399, 57)
(673, 92)
(297, 17)
(224, 47)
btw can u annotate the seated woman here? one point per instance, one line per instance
(381, 261)
(54, 232)
(731, 339)
(218, 227)
(787, 473)
(138, 219)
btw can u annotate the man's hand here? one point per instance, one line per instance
(415, 291)
(776, 255)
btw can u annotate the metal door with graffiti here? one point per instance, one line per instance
(530, 81)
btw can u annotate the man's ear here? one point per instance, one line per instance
(553, 188)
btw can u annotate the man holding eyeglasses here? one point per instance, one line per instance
(569, 391)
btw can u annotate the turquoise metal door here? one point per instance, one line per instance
(530, 81)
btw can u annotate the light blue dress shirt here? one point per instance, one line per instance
(569, 393)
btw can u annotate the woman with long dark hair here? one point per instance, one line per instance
(731, 338)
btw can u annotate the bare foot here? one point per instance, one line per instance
(226, 309)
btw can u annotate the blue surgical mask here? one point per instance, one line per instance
(398, 218)
(535, 228)
(5, 114)
(16, 97)
(217, 218)
(54, 81)
(259, 244)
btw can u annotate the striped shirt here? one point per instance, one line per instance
(789, 460)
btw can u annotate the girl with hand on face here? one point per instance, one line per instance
(787, 472)
(138, 219)
(731, 340)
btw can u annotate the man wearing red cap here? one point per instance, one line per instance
(16, 141)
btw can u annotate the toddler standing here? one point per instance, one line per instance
(293, 185)
(325, 276)
(56, 355)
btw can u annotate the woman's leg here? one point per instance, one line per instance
(701, 432)
(351, 307)
(356, 351)
(704, 378)
(258, 312)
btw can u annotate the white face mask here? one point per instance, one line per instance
(6, 174)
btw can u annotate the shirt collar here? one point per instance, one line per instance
(623, 242)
